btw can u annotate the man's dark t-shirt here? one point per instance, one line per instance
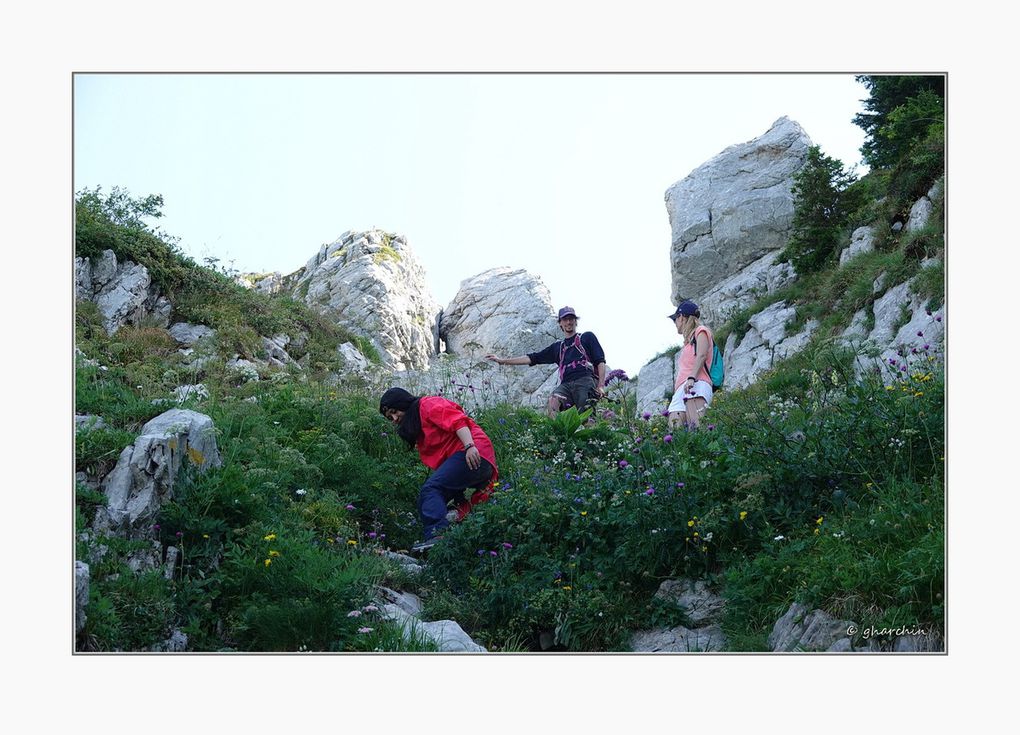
(572, 357)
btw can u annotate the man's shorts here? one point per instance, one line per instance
(577, 393)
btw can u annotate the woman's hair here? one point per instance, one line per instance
(409, 428)
(691, 323)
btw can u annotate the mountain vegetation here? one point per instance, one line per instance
(816, 484)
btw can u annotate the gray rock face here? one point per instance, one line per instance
(504, 312)
(861, 241)
(701, 606)
(803, 630)
(655, 385)
(741, 290)
(143, 477)
(372, 283)
(81, 594)
(764, 343)
(123, 292)
(734, 209)
(189, 334)
(694, 598)
(88, 422)
(920, 213)
(901, 327)
(352, 357)
(679, 640)
(448, 636)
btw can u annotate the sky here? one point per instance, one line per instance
(563, 175)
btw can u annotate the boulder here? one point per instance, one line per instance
(124, 293)
(803, 630)
(920, 213)
(189, 334)
(734, 209)
(352, 357)
(679, 640)
(699, 604)
(372, 283)
(861, 241)
(448, 636)
(88, 422)
(144, 475)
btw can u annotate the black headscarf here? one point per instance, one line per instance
(409, 428)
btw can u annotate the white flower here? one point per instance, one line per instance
(301, 491)
(779, 538)
(354, 614)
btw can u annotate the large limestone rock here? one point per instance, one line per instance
(124, 292)
(145, 472)
(372, 283)
(655, 385)
(81, 594)
(504, 312)
(861, 241)
(733, 210)
(903, 327)
(741, 290)
(765, 343)
(702, 608)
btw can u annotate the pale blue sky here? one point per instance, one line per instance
(563, 175)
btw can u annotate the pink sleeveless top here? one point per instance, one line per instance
(685, 359)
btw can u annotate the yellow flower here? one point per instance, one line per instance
(566, 587)
(584, 512)
(889, 387)
(557, 581)
(205, 535)
(743, 514)
(329, 541)
(267, 562)
(704, 549)
(270, 537)
(273, 553)
(352, 542)
(690, 523)
(816, 532)
(820, 519)
(919, 394)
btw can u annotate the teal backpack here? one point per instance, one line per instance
(716, 372)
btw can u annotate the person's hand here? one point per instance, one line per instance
(601, 390)
(494, 359)
(473, 458)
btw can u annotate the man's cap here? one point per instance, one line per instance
(567, 311)
(686, 308)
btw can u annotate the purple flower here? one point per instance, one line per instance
(679, 484)
(928, 312)
(646, 415)
(938, 318)
(616, 375)
(493, 553)
(920, 333)
(711, 427)
(179, 534)
(623, 463)
(665, 412)
(481, 552)
(371, 534)
(349, 507)
(926, 346)
(507, 545)
(650, 491)
(155, 527)
(668, 438)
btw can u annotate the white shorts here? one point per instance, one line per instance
(702, 389)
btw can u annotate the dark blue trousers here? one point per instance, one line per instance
(445, 484)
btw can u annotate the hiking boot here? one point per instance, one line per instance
(422, 546)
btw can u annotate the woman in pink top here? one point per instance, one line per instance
(693, 385)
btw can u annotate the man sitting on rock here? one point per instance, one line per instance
(582, 366)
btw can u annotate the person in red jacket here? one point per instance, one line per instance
(452, 445)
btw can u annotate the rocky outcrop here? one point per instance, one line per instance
(144, 475)
(372, 284)
(765, 343)
(902, 326)
(700, 606)
(124, 292)
(861, 241)
(732, 211)
(404, 609)
(803, 630)
(655, 385)
(504, 312)
(741, 290)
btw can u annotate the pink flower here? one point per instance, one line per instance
(668, 438)
(365, 630)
